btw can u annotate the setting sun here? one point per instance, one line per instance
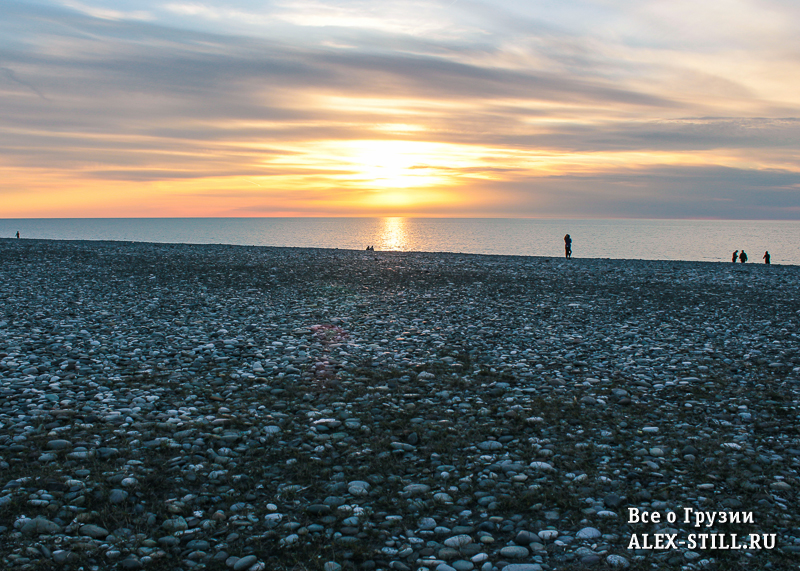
(393, 164)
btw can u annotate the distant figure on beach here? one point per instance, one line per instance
(370, 248)
(766, 257)
(735, 255)
(17, 234)
(568, 246)
(742, 257)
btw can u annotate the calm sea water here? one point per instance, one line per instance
(701, 240)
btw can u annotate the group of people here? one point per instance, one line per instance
(742, 256)
(370, 248)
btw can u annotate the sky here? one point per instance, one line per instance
(462, 108)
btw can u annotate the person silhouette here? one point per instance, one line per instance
(568, 246)
(735, 255)
(742, 257)
(766, 257)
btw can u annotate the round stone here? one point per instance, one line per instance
(514, 552)
(93, 531)
(617, 561)
(59, 444)
(175, 524)
(588, 533)
(458, 541)
(245, 563)
(40, 526)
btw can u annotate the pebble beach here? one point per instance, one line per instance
(180, 407)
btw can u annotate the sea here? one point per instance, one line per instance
(697, 240)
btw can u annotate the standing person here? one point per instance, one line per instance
(742, 257)
(17, 234)
(735, 255)
(568, 246)
(766, 257)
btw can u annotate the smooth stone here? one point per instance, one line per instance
(318, 509)
(458, 541)
(40, 526)
(525, 537)
(543, 466)
(62, 556)
(490, 445)
(514, 552)
(427, 523)
(617, 561)
(245, 563)
(175, 524)
(93, 531)
(169, 540)
(589, 533)
(59, 444)
(415, 489)
(358, 488)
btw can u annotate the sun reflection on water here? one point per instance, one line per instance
(394, 235)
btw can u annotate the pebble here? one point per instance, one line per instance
(458, 541)
(513, 552)
(588, 533)
(245, 562)
(409, 410)
(617, 561)
(93, 531)
(39, 526)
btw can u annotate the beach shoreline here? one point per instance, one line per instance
(322, 250)
(185, 405)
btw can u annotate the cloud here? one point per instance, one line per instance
(660, 192)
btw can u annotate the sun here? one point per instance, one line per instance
(382, 176)
(395, 164)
